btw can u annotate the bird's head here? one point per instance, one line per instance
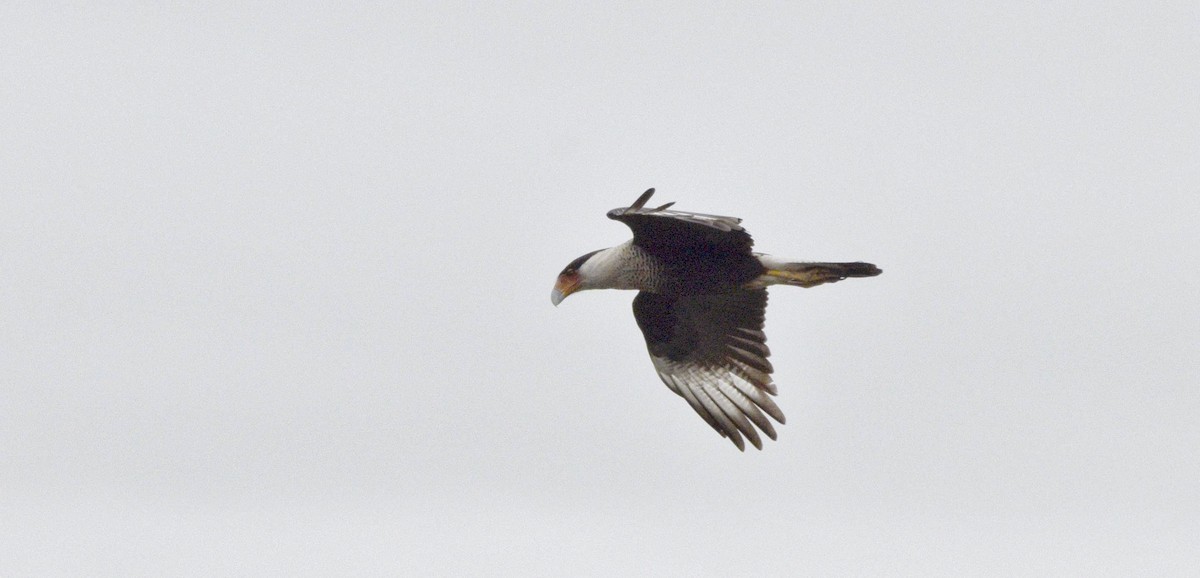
(573, 278)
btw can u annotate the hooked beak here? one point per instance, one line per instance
(566, 285)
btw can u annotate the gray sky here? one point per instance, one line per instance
(275, 288)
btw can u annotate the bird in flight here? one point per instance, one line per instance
(701, 302)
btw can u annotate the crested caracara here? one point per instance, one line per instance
(700, 305)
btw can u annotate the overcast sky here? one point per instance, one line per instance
(274, 287)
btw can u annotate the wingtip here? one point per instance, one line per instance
(641, 201)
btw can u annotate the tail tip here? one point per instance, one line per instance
(860, 269)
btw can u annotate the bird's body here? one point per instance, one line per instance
(701, 305)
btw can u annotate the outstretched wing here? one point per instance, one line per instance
(660, 227)
(704, 252)
(710, 349)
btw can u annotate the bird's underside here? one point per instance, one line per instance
(701, 306)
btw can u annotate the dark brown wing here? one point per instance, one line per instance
(660, 227)
(704, 252)
(710, 349)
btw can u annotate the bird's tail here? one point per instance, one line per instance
(801, 274)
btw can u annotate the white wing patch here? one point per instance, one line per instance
(726, 397)
(714, 221)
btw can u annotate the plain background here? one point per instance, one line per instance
(274, 287)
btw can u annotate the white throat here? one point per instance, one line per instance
(609, 268)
